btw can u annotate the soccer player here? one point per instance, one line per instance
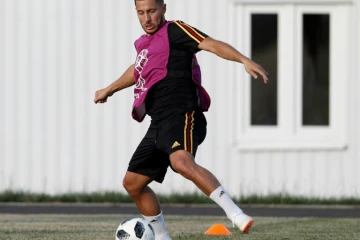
(168, 88)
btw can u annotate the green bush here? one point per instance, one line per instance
(189, 198)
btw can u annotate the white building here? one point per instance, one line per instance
(298, 134)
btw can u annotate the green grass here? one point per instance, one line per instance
(85, 227)
(194, 198)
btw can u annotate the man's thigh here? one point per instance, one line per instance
(183, 131)
(148, 160)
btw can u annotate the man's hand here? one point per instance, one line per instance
(102, 95)
(254, 69)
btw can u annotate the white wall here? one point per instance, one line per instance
(55, 54)
(356, 89)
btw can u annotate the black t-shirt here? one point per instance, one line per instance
(177, 91)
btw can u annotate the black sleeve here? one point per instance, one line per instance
(184, 36)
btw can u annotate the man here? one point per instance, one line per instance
(168, 88)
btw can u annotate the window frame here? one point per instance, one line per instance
(289, 132)
(310, 2)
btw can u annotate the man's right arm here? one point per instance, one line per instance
(226, 51)
(126, 80)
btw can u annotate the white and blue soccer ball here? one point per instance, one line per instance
(135, 229)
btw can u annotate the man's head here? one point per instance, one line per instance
(151, 14)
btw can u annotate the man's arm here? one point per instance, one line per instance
(126, 80)
(228, 52)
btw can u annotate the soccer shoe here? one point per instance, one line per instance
(243, 222)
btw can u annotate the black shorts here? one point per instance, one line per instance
(181, 131)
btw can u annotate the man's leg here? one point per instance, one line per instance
(180, 137)
(145, 199)
(147, 202)
(183, 162)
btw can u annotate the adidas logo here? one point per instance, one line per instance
(221, 193)
(176, 144)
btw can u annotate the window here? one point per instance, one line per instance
(315, 69)
(304, 104)
(264, 42)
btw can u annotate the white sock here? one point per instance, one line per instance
(159, 226)
(222, 198)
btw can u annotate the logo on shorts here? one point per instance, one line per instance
(176, 144)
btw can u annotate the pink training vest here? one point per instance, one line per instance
(151, 67)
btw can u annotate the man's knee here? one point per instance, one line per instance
(129, 185)
(134, 183)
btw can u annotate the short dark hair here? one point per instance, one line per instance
(158, 2)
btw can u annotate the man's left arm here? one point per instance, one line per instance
(228, 52)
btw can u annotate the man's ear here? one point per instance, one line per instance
(164, 8)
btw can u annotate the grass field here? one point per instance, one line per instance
(86, 227)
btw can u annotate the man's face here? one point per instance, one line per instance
(151, 15)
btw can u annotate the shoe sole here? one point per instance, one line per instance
(248, 226)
